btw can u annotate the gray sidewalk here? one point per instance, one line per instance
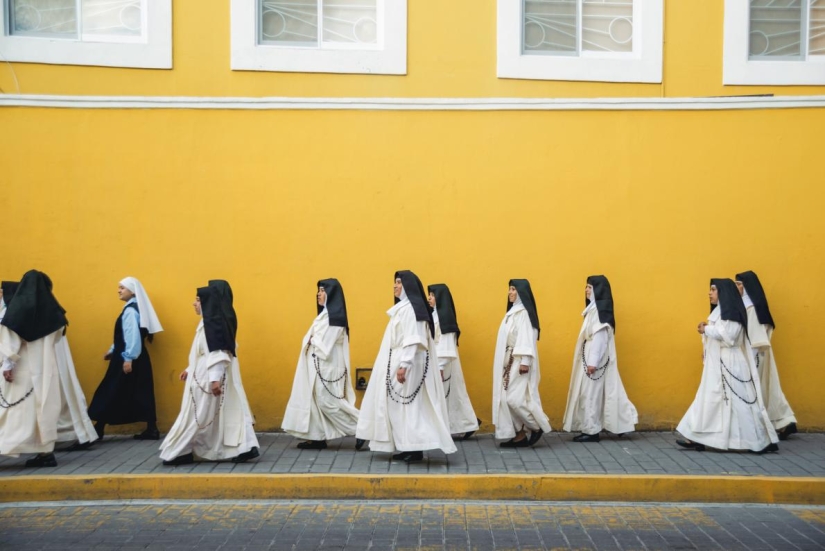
(654, 453)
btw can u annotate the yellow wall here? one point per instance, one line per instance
(660, 201)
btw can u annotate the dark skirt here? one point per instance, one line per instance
(122, 398)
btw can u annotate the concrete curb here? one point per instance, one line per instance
(551, 487)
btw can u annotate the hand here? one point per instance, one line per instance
(127, 367)
(216, 388)
(107, 356)
(523, 369)
(701, 328)
(183, 375)
(401, 375)
(9, 375)
(591, 369)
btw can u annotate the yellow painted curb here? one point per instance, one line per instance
(561, 487)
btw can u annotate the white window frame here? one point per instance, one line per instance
(152, 51)
(388, 57)
(739, 69)
(643, 65)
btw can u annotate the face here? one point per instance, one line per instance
(741, 287)
(588, 291)
(123, 293)
(512, 294)
(322, 296)
(430, 299)
(713, 295)
(396, 288)
(197, 305)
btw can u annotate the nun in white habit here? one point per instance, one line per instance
(516, 372)
(30, 398)
(322, 404)
(404, 408)
(215, 421)
(760, 331)
(597, 399)
(463, 420)
(728, 412)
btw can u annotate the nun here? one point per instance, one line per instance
(516, 373)
(215, 422)
(760, 331)
(463, 420)
(728, 412)
(322, 404)
(127, 392)
(30, 403)
(404, 409)
(597, 399)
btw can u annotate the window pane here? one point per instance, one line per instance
(816, 42)
(351, 21)
(290, 21)
(607, 25)
(776, 28)
(550, 26)
(112, 17)
(52, 18)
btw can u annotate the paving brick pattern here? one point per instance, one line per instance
(406, 525)
(640, 453)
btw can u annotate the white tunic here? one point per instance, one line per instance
(518, 406)
(322, 403)
(409, 416)
(779, 410)
(597, 401)
(728, 411)
(30, 426)
(212, 427)
(74, 423)
(459, 409)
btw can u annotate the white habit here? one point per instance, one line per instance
(459, 409)
(322, 403)
(74, 423)
(518, 406)
(212, 427)
(409, 416)
(597, 401)
(728, 412)
(779, 410)
(28, 424)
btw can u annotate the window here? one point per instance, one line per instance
(591, 40)
(323, 36)
(116, 33)
(778, 42)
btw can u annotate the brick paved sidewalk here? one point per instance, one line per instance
(640, 453)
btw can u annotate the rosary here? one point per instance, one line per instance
(508, 367)
(324, 382)
(405, 400)
(205, 391)
(5, 404)
(584, 366)
(725, 383)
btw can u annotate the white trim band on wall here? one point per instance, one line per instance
(414, 104)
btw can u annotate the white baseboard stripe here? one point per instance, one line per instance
(413, 104)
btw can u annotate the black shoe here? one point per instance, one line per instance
(414, 456)
(148, 434)
(770, 448)
(78, 447)
(246, 456)
(534, 437)
(467, 435)
(42, 460)
(401, 456)
(787, 431)
(313, 445)
(184, 459)
(359, 443)
(513, 443)
(691, 445)
(586, 438)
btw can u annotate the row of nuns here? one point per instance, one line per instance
(416, 399)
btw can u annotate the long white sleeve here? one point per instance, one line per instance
(598, 346)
